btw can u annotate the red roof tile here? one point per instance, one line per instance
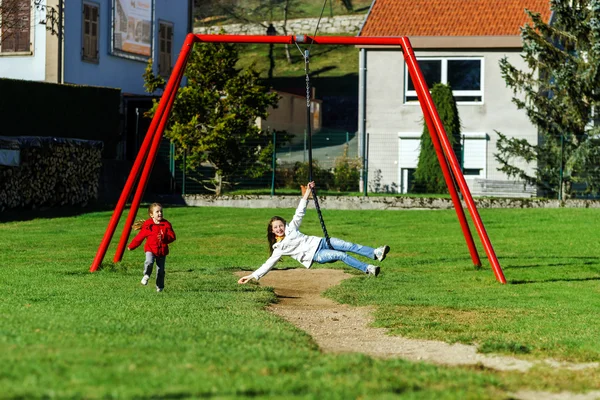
(451, 17)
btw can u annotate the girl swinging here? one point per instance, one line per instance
(287, 240)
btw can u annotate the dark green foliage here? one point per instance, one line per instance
(558, 91)
(428, 176)
(296, 174)
(346, 173)
(213, 119)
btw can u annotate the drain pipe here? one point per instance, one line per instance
(362, 118)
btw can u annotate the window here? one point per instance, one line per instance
(474, 154)
(16, 21)
(165, 48)
(89, 51)
(409, 146)
(464, 75)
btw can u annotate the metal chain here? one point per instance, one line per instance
(307, 81)
(327, 240)
(313, 191)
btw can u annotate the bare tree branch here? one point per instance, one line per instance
(9, 18)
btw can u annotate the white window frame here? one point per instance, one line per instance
(85, 57)
(444, 80)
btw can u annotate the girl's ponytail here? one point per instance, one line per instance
(137, 225)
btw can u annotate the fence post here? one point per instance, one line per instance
(183, 174)
(365, 165)
(172, 166)
(274, 163)
(304, 152)
(560, 177)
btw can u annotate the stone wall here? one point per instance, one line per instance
(345, 24)
(377, 202)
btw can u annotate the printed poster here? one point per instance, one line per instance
(133, 27)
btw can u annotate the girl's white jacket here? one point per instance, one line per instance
(295, 244)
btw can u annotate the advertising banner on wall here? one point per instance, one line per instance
(132, 28)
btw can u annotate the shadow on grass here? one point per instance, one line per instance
(23, 214)
(590, 261)
(525, 281)
(28, 214)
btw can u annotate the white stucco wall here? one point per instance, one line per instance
(112, 70)
(29, 66)
(388, 118)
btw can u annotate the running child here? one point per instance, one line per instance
(158, 233)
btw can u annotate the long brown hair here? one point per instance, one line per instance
(270, 235)
(137, 225)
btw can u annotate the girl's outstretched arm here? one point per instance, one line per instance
(301, 209)
(266, 267)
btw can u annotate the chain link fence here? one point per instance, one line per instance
(339, 167)
(336, 166)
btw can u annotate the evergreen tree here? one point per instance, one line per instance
(213, 118)
(428, 176)
(559, 92)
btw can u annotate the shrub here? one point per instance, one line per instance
(346, 173)
(292, 175)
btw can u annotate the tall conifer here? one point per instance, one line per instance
(428, 176)
(559, 91)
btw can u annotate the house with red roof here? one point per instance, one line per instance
(458, 42)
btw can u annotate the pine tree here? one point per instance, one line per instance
(559, 92)
(213, 118)
(428, 176)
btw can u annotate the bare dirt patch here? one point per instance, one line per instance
(340, 328)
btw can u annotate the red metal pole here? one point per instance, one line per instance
(449, 181)
(112, 225)
(419, 82)
(170, 95)
(331, 40)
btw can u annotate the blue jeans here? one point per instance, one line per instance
(160, 268)
(324, 254)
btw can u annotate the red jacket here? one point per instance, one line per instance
(159, 246)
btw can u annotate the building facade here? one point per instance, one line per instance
(104, 42)
(456, 45)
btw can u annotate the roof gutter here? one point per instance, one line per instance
(462, 42)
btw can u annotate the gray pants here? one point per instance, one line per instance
(160, 268)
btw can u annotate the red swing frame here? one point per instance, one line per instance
(447, 158)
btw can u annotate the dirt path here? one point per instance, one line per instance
(340, 328)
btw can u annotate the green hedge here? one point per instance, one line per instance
(47, 109)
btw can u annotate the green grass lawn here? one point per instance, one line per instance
(68, 333)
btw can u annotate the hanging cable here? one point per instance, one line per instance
(318, 22)
(315, 34)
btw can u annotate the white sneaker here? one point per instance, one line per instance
(381, 252)
(372, 270)
(145, 280)
(159, 289)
